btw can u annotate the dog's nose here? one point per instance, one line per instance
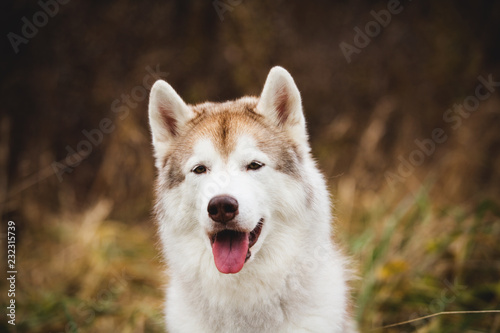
(222, 208)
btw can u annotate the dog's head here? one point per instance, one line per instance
(228, 171)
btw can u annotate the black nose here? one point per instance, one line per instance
(222, 208)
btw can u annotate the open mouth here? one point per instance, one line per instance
(231, 248)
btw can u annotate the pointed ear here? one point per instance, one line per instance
(167, 114)
(280, 101)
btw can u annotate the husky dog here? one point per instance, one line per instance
(244, 215)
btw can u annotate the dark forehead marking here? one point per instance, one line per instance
(224, 131)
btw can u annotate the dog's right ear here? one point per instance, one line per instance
(167, 114)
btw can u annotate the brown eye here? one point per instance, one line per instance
(199, 169)
(255, 165)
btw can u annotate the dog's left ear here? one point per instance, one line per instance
(280, 101)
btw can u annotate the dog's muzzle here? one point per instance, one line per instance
(230, 244)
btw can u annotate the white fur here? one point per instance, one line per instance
(295, 280)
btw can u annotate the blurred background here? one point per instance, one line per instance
(402, 101)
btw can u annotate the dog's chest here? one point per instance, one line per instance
(267, 311)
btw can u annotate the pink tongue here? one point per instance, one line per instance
(230, 251)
